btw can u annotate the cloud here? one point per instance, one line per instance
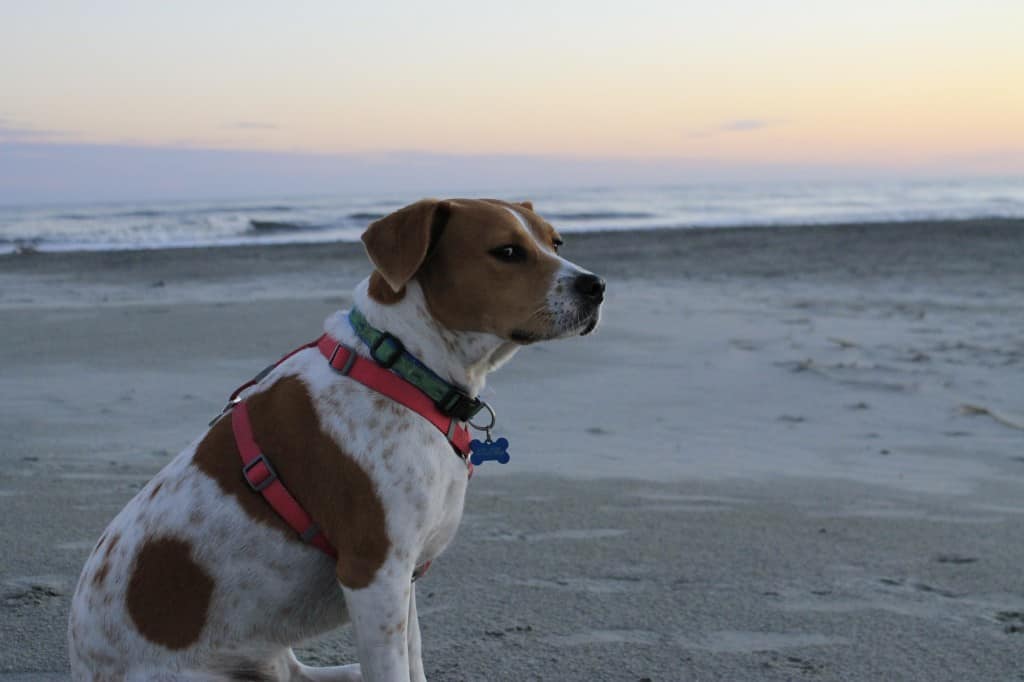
(15, 131)
(736, 125)
(741, 125)
(251, 125)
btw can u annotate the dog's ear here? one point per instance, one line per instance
(399, 243)
(528, 205)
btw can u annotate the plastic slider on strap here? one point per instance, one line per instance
(457, 404)
(420, 570)
(350, 359)
(259, 479)
(312, 530)
(393, 350)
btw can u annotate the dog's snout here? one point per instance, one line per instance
(590, 286)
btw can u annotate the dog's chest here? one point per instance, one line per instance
(419, 478)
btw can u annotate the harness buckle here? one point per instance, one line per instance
(395, 346)
(260, 484)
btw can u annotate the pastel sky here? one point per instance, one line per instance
(929, 85)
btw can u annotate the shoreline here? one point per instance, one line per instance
(852, 254)
(34, 250)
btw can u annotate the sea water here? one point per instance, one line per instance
(344, 217)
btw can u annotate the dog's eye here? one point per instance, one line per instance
(510, 253)
(556, 242)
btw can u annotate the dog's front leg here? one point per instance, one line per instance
(379, 614)
(416, 673)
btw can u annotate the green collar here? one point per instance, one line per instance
(388, 352)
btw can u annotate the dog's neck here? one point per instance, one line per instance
(461, 358)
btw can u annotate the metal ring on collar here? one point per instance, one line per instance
(494, 419)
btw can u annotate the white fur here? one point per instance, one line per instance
(270, 592)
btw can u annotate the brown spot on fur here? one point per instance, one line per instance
(101, 574)
(381, 292)
(156, 489)
(168, 593)
(114, 539)
(111, 634)
(328, 483)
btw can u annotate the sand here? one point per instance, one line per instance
(759, 468)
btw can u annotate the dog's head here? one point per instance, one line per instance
(486, 266)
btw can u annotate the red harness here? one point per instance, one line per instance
(259, 473)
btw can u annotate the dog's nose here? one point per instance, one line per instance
(591, 286)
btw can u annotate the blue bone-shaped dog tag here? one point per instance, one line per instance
(488, 450)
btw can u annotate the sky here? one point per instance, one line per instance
(545, 90)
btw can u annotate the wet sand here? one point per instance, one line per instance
(768, 464)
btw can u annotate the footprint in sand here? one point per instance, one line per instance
(671, 502)
(955, 559)
(32, 591)
(744, 642)
(604, 637)
(607, 585)
(575, 534)
(563, 534)
(1013, 621)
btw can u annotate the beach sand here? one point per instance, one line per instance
(759, 468)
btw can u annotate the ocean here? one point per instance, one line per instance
(148, 225)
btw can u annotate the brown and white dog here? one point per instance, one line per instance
(197, 578)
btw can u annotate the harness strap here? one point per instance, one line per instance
(260, 474)
(266, 370)
(262, 478)
(367, 372)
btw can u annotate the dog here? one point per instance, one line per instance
(202, 576)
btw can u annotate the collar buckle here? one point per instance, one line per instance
(457, 404)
